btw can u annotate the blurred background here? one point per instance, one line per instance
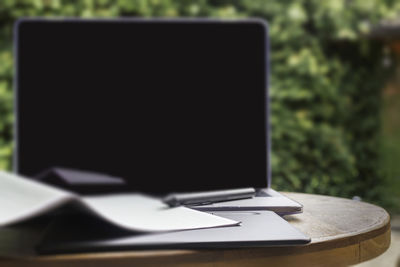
(334, 85)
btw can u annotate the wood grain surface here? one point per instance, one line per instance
(343, 232)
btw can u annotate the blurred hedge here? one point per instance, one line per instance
(326, 78)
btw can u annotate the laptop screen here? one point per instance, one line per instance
(170, 106)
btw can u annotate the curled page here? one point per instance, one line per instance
(143, 213)
(22, 198)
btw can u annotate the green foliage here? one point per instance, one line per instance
(326, 78)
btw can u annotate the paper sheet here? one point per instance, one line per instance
(22, 198)
(143, 213)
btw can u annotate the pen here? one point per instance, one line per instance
(177, 199)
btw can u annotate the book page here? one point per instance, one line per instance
(144, 213)
(22, 198)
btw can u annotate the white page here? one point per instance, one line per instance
(143, 213)
(22, 198)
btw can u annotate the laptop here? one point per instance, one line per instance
(168, 105)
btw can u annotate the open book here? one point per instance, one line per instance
(22, 199)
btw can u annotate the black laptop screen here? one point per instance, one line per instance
(169, 106)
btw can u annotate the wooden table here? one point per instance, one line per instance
(343, 232)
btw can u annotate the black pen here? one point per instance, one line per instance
(199, 198)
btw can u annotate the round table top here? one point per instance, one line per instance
(342, 231)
